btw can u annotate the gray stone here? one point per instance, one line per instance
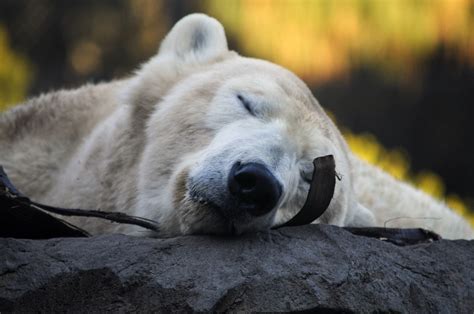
(316, 268)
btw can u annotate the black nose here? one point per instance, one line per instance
(255, 188)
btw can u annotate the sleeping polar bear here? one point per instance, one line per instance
(201, 140)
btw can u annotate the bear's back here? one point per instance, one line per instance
(39, 136)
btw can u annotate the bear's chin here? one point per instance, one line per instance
(205, 218)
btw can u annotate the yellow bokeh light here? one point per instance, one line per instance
(323, 39)
(15, 74)
(85, 57)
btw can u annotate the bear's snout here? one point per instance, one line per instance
(255, 188)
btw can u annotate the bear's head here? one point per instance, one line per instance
(229, 140)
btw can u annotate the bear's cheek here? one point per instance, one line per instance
(192, 216)
(200, 219)
(179, 188)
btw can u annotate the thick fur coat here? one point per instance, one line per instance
(161, 144)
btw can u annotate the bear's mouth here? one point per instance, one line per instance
(229, 226)
(195, 197)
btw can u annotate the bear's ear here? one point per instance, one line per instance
(196, 37)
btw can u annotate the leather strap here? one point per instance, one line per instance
(321, 191)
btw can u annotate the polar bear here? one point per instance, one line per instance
(201, 140)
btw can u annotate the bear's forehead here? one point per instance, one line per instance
(265, 79)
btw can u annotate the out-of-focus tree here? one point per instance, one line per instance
(321, 40)
(71, 42)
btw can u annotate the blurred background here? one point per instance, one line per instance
(396, 76)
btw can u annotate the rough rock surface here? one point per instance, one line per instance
(314, 267)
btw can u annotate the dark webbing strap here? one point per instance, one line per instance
(320, 192)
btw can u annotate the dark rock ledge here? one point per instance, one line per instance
(311, 268)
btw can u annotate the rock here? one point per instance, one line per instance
(315, 268)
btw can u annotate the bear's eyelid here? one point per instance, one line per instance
(246, 103)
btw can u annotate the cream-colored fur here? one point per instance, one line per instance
(160, 144)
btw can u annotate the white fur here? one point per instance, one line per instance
(161, 143)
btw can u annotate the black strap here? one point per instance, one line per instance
(14, 206)
(320, 192)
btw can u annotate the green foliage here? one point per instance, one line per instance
(15, 73)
